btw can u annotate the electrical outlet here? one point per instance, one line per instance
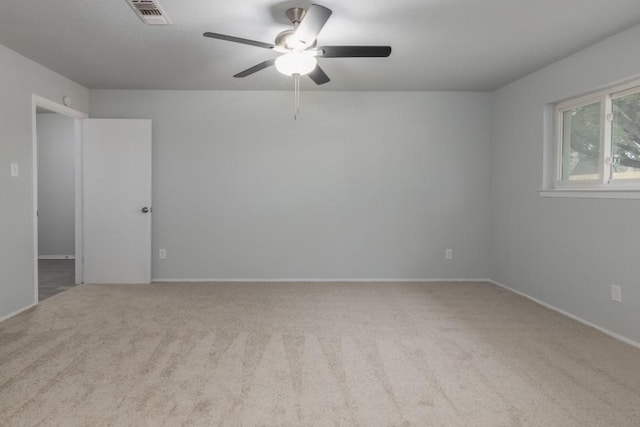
(448, 254)
(14, 169)
(162, 254)
(616, 293)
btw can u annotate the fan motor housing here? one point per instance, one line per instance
(281, 40)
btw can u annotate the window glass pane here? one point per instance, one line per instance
(626, 137)
(581, 143)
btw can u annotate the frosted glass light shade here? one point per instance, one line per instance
(294, 62)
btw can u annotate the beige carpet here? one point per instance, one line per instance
(310, 354)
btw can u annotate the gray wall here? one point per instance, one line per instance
(362, 185)
(566, 252)
(19, 79)
(56, 184)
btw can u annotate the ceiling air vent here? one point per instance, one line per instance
(150, 12)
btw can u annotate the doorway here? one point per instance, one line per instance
(56, 202)
(56, 198)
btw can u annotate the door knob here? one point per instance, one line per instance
(145, 210)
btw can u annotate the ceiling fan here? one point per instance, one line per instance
(299, 47)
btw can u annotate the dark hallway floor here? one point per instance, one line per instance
(55, 276)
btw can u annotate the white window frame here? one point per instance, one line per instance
(605, 183)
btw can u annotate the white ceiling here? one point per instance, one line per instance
(437, 44)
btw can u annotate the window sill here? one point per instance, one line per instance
(590, 193)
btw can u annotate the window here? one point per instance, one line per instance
(598, 140)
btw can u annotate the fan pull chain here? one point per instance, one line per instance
(296, 96)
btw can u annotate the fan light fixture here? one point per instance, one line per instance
(296, 63)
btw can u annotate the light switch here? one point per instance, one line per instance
(14, 169)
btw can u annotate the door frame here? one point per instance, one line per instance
(39, 101)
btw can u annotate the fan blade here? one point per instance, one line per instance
(355, 51)
(312, 22)
(261, 66)
(319, 76)
(238, 40)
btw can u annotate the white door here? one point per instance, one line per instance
(116, 179)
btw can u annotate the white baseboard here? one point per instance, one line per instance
(15, 313)
(56, 257)
(571, 316)
(159, 280)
